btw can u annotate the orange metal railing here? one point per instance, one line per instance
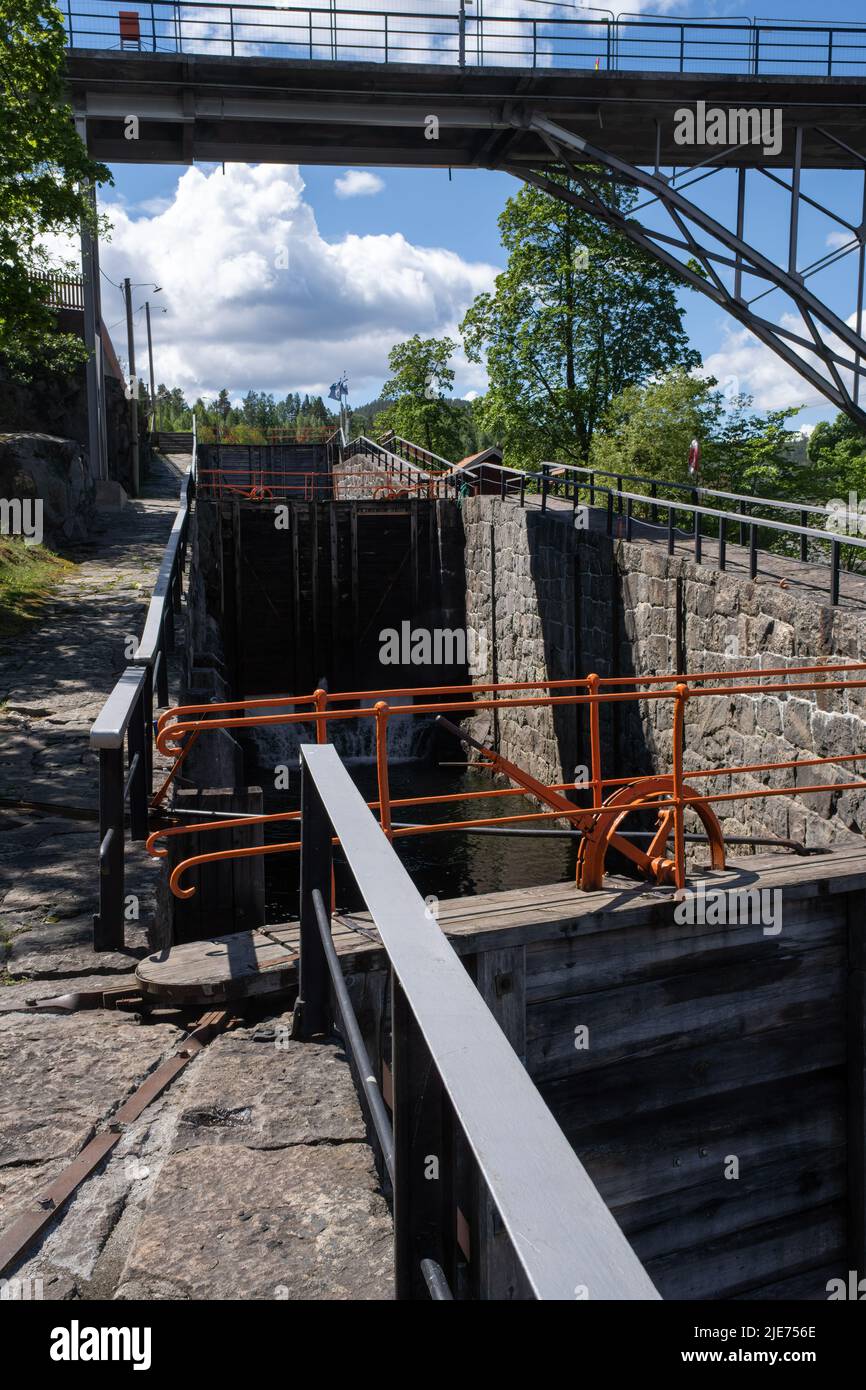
(612, 799)
(253, 484)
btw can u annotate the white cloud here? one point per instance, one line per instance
(358, 183)
(836, 240)
(153, 206)
(765, 376)
(256, 297)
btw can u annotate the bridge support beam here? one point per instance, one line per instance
(828, 353)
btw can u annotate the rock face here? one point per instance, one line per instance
(58, 405)
(55, 471)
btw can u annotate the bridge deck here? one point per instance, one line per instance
(285, 111)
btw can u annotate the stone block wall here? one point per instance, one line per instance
(555, 602)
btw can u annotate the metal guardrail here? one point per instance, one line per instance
(456, 1079)
(263, 472)
(573, 483)
(127, 719)
(414, 453)
(484, 36)
(598, 825)
(402, 471)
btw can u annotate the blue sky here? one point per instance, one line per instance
(436, 239)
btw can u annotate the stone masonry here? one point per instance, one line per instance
(555, 602)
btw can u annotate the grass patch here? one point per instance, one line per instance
(28, 573)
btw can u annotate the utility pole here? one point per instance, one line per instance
(154, 424)
(132, 385)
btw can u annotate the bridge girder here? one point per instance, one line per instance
(527, 123)
(698, 236)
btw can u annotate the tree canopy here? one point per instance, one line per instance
(578, 316)
(647, 430)
(418, 396)
(44, 173)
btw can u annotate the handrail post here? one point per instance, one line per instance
(523, 489)
(461, 40)
(619, 494)
(753, 550)
(312, 1008)
(609, 526)
(592, 683)
(804, 540)
(671, 537)
(320, 698)
(147, 718)
(545, 482)
(654, 511)
(382, 712)
(723, 541)
(742, 510)
(137, 736)
(698, 536)
(161, 670)
(628, 518)
(682, 694)
(834, 572)
(108, 921)
(425, 1215)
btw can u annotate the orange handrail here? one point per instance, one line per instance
(667, 795)
(253, 483)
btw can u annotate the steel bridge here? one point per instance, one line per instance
(540, 99)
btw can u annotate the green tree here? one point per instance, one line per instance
(647, 430)
(578, 315)
(837, 458)
(418, 406)
(44, 172)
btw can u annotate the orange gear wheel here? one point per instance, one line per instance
(602, 832)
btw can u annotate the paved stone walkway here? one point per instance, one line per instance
(251, 1176)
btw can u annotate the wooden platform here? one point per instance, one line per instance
(665, 1048)
(264, 961)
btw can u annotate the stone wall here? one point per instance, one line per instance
(40, 467)
(57, 405)
(555, 602)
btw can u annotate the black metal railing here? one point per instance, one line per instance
(397, 466)
(583, 487)
(481, 36)
(414, 453)
(125, 724)
(460, 1095)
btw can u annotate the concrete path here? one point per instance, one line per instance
(251, 1176)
